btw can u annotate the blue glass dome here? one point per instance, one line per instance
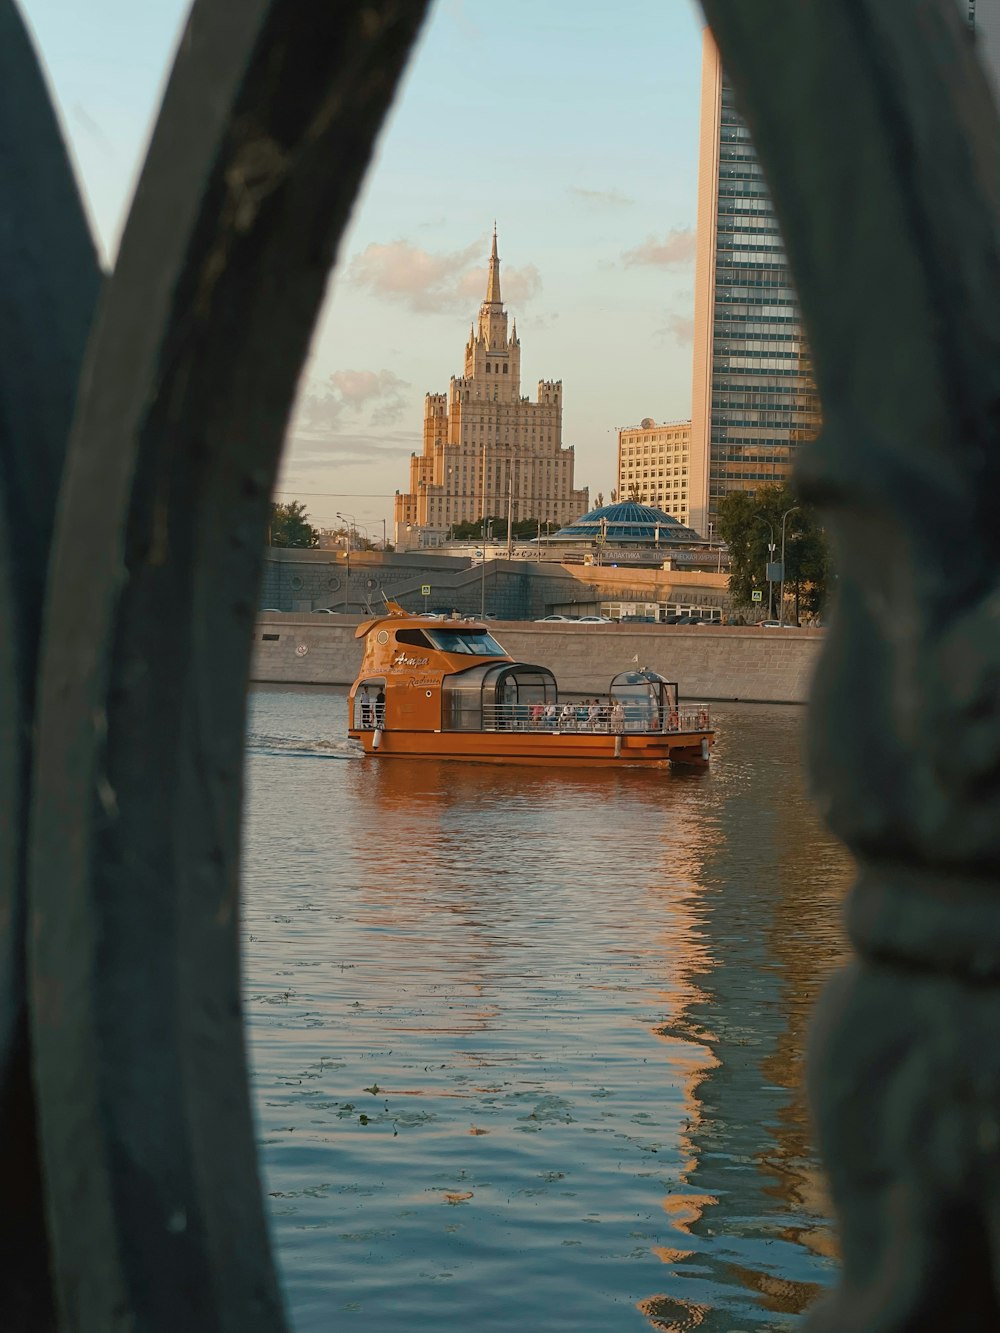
(628, 524)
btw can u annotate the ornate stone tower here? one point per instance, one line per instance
(484, 444)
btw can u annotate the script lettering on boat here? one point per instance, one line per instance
(420, 681)
(402, 660)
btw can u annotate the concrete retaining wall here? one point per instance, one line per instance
(765, 666)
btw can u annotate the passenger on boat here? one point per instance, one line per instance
(593, 715)
(549, 715)
(567, 718)
(617, 716)
(536, 714)
(380, 709)
(366, 708)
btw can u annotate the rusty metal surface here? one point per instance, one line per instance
(146, 1161)
(880, 142)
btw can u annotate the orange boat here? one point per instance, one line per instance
(446, 689)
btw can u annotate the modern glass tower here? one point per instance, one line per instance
(753, 399)
(984, 20)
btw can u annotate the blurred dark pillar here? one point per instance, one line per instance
(128, 1158)
(880, 142)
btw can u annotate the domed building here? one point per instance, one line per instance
(625, 525)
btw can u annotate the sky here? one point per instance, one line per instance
(573, 126)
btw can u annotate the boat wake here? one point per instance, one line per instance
(296, 748)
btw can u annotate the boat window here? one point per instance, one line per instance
(416, 638)
(477, 642)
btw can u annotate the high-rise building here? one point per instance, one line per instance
(984, 20)
(753, 398)
(487, 450)
(653, 465)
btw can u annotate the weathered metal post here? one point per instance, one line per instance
(880, 141)
(130, 1166)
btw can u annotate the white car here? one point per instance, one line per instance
(594, 620)
(542, 619)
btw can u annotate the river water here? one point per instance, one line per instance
(528, 1044)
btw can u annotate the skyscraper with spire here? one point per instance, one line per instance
(485, 447)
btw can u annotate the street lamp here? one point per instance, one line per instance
(770, 567)
(781, 607)
(348, 518)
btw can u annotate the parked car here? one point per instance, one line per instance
(594, 620)
(542, 619)
(323, 611)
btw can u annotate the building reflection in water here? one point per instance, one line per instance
(581, 1000)
(760, 933)
(751, 889)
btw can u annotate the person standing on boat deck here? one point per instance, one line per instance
(617, 716)
(549, 715)
(567, 718)
(593, 714)
(366, 708)
(380, 708)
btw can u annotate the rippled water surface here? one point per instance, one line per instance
(528, 1043)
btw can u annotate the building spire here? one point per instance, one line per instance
(493, 283)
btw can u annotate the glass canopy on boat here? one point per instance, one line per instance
(471, 699)
(647, 698)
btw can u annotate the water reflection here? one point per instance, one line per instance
(530, 1040)
(771, 915)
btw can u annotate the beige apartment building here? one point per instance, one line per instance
(488, 450)
(653, 462)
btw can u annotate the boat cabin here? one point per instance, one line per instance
(417, 673)
(648, 701)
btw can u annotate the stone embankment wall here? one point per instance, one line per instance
(762, 665)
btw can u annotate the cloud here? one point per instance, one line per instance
(601, 198)
(355, 448)
(377, 395)
(676, 250)
(432, 284)
(678, 327)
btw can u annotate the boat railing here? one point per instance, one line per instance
(602, 717)
(370, 717)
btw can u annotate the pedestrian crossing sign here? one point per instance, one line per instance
(425, 590)
(756, 595)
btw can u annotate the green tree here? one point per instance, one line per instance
(747, 522)
(290, 526)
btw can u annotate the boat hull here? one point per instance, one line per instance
(576, 748)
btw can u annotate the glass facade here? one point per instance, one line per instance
(764, 404)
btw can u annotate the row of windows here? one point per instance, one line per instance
(631, 468)
(489, 368)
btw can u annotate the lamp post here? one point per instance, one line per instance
(348, 518)
(487, 531)
(781, 606)
(769, 570)
(383, 535)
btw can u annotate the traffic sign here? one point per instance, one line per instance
(756, 595)
(425, 590)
